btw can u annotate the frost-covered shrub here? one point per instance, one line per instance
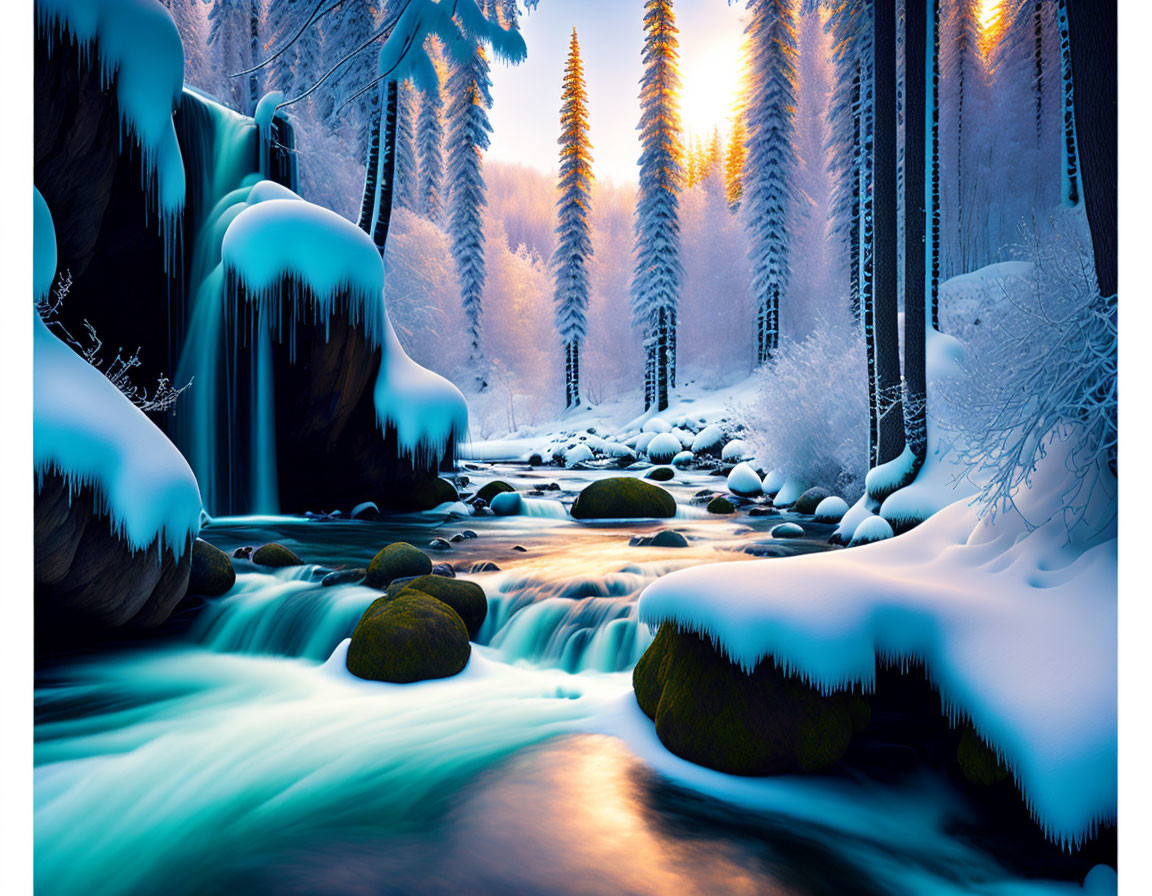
(809, 419)
(1042, 377)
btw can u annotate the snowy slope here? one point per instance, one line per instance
(85, 430)
(1017, 629)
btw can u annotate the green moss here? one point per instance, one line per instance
(492, 489)
(623, 497)
(721, 505)
(978, 763)
(661, 474)
(211, 573)
(710, 712)
(276, 555)
(397, 561)
(414, 637)
(466, 598)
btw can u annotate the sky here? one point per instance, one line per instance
(525, 114)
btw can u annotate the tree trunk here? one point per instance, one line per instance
(254, 46)
(1071, 169)
(663, 327)
(1092, 28)
(371, 169)
(934, 172)
(387, 176)
(883, 335)
(854, 217)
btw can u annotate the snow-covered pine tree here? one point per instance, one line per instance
(1071, 181)
(655, 290)
(346, 29)
(734, 162)
(469, 89)
(573, 210)
(430, 155)
(768, 184)
(407, 170)
(234, 36)
(850, 24)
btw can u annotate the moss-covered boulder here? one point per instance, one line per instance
(810, 500)
(720, 505)
(275, 555)
(710, 712)
(491, 489)
(669, 538)
(623, 497)
(661, 474)
(466, 598)
(397, 561)
(211, 573)
(414, 637)
(432, 492)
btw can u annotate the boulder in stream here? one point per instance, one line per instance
(397, 561)
(466, 598)
(491, 489)
(721, 505)
(276, 556)
(623, 497)
(810, 500)
(412, 637)
(211, 573)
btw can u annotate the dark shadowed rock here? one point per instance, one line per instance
(721, 505)
(397, 561)
(344, 577)
(491, 489)
(810, 500)
(661, 474)
(275, 555)
(623, 497)
(211, 573)
(669, 538)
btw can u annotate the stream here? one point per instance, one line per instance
(233, 753)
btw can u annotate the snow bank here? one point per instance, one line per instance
(85, 430)
(280, 240)
(138, 48)
(1016, 628)
(428, 412)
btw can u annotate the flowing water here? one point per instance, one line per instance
(234, 753)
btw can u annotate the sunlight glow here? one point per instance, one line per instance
(711, 79)
(990, 17)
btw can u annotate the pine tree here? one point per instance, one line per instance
(573, 233)
(469, 87)
(430, 152)
(734, 163)
(768, 187)
(234, 35)
(656, 282)
(407, 171)
(345, 30)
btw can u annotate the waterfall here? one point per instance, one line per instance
(235, 464)
(581, 624)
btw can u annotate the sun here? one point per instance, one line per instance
(711, 78)
(990, 18)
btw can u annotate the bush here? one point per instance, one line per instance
(810, 416)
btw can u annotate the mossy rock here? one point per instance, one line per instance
(669, 538)
(396, 562)
(661, 474)
(432, 492)
(414, 637)
(623, 497)
(211, 573)
(710, 712)
(721, 505)
(466, 598)
(275, 555)
(977, 762)
(810, 500)
(492, 489)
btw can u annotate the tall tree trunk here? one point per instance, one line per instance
(254, 48)
(883, 335)
(663, 328)
(1092, 29)
(915, 304)
(387, 176)
(371, 167)
(934, 170)
(1071, 180)
(854, 217)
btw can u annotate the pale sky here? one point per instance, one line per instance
(525, 114)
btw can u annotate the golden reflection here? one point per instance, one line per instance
(990, 19)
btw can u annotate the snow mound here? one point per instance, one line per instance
(656, 425)
(735, 450)
(577, 454)
(324, 259)
(872, 529)
(743, 481)
(774, 481)
(683, 459)
(790, 491)
(707, 438)
(686, 438)
(1016, 628)
(663, 448)
(86, 431)
(831, 509)
(138, 48)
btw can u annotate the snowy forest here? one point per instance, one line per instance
(616, 445)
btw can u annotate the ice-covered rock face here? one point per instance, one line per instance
(663, 448)
(743, 481)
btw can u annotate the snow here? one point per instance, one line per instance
(138, 48)
(872, 529)
(790, 491)
(266, 110)
(774, 481)
(831, 509)
(663, 448)
(744, 481)
(577, 454)
(278, 239)
(85, 430)
(1016, 627)
(707, 438)
(428, 412)
(735, 450)
(683, 459)
(507, 504)
(656, 425)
